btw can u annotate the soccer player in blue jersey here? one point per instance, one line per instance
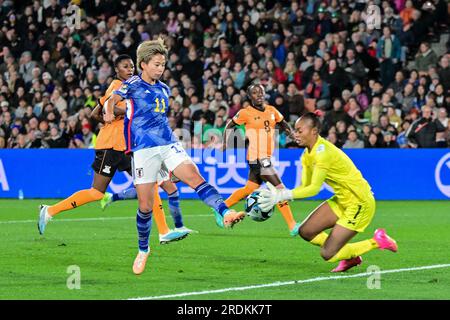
(149, 137)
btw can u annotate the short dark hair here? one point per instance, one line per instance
(314, 119)
(120, 58)
(253, 84)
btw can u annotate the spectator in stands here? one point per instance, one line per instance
(319, 90)
(393, 117)
(402, 140)
(372, 142)
(353, 142)
(55, 139)
(217, 102)
(89, 138)
(26, 66)
(218, 52)
(58, 101)
(354, 67)
(353, 108)
(390, 140)
(444, 71)
(341, 133)
(204, 111)
(295, 102)
(388, 54)
(425, 58)
(422, 133)
(337, 78)
(420, 99)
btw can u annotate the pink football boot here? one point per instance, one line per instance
(384, 241)
(344, 265)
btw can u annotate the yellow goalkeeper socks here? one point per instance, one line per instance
(320, 239)
(353, 250)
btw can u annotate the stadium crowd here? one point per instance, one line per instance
(379, 84)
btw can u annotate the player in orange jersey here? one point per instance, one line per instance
(260, 120)
(109, 157)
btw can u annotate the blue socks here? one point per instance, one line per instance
(144, 225)
(175, 210)
(211, 197)
(125, 194)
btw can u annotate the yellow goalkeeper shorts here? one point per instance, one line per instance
(356, 216)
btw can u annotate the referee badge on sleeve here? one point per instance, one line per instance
(139, 172)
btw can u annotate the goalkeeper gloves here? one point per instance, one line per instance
(267, 199)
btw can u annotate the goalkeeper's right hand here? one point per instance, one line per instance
(267, 199)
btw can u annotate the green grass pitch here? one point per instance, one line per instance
(253, 253)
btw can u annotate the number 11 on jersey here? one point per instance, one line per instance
(163, 102)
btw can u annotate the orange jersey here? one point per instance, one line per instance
(259, 129)
(111, 134)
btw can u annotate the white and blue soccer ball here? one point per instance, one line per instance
(254, 211)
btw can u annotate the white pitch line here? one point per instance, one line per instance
(94, 219)
(287, 283)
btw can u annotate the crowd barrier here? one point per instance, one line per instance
(394, 174)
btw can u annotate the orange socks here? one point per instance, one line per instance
(89, 195)
(239, 194)
(158, 213)
(285, 210)
(77, 199)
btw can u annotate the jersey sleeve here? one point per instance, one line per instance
(115, 85)
(124, 90)
(317, 179)
(278, 116)
(240, 117)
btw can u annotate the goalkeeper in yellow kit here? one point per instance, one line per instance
(348, 212)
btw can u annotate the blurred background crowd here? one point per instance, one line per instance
(378, 70)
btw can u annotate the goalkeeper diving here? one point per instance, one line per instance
(347, 213)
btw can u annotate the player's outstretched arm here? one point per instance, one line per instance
(96, 114)
(269, 198)
(230, 125)
(110, 106)
(286, 127)
(317, 180)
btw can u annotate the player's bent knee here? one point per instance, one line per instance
(306, 234)
(145, 206)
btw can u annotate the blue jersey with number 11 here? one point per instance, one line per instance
(146, 123)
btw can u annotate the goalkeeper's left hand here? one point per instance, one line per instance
(267, 199)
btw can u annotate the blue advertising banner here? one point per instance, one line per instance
(394, 174)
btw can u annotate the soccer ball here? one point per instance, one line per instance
(253, 211)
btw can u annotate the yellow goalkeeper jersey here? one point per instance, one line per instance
(327, 163)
